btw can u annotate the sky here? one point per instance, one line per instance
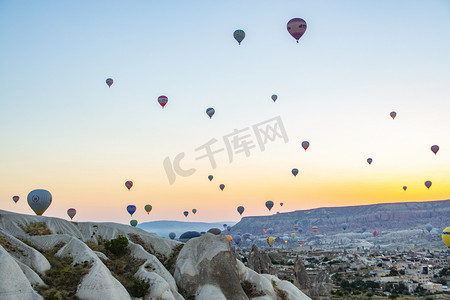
(62, 129)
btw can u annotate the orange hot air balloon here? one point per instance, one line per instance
(229, 237)
(129, 184)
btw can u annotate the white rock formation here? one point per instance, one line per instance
(14, 285)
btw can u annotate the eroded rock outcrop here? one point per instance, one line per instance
(260, 262)
(318, 287)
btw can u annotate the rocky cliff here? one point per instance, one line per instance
(386, 216)
(44, 257)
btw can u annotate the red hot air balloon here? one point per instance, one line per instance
(296, 27)
(71, 212)
(375, 233)
(129, 184)
(428, 184)
(305, 145)
(435, 149)
(162, 100)
(16, 198)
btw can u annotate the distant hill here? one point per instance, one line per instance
(380, 217)
(163, 228)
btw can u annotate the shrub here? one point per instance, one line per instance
(138, 288)
(117, 246)
(36, 228)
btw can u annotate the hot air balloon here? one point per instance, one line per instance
(270, 230)
(133, 223)
(239, 35)
(224, 226)
(39, 201)
(364, 228)
(148, 208)
(240, 210)
(293, 235)
(295, 172)
(305, 145)
(172, 235)
(131, 209)
(269, 205)
(428, 227)
(281, 203)
(228, 228)
(270, 240)
(405, 187)
(295, 227)
(194, 211)
(344, 226)
(186, 213)
(315, 228)
(71, 212)
(237, 239)
(300, 230)
(446, 236)
(210, 177)
(16, 198)
(428, 183)
(274, 98)
(222, 186)
(375, 233)
(435, 149)
(285, 239)
(162, 100)
(129, 184)
(109, 81)
(300, 242)
(296, 27)
(393, 114)
(369, 160)
(210, 112)
(229, 238)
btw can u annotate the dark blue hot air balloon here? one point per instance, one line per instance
(131, 209)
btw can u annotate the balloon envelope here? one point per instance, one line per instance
(446, 236)
(194, 211)
(295, 172)
(296, 27)
(270, 240)
(428, 227)
(274, 98)
(375, 233)
(71, 212)
(210, 177)
(133, 223)
(222, 186)
(369, 160)
(237, 239)
(269, 205)
(131, 209)
(186, 213)
(305, 145)
(162, 100)
(293, 235)
(344, 226)
(239, 35)
(172, 235)
(428, 183)
(296, 227)
(129, 184)
(148, 208)
(240, 210)
(281, 203)
(210, 112)
(405, 187)
(109, 81)
(39, 201)
(315, 228)
(229, 238)
(270, 230)
(16, 198)
(393, 114)
(435, 149)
